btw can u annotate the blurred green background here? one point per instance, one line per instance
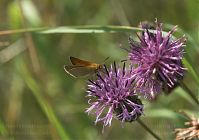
(38, 100)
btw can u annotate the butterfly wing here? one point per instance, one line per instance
(79, 62)
(78, 71)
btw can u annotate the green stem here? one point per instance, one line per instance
(17, 31)
(75, 29)
(189, 92)
(148, 129)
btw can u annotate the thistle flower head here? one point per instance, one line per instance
(112, 94)
(159, 61)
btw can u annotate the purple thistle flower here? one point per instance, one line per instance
(159, 61)
(112, 93)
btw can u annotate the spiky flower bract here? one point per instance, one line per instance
(111, 95)
(191, 132)
(158, 58)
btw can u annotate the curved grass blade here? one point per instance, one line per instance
(192, 71)
(76, 29)
(12, 51)
(36, 90)
(91, 29)
(17, 31)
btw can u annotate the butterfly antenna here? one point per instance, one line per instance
(67, 71)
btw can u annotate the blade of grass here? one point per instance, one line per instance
(17, 31)
(36, 90)
(12, 51)
(91, 29)
(189, 92)
(3, 130)
(148, 129)
(73, 29)
(28, 37)
(192, 71)
(183, 94)
(76, 29)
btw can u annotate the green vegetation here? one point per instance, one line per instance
(40, 101)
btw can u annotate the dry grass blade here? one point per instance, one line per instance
(11, 51)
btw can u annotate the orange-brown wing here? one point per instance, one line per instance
(78, 71)
(79, 62)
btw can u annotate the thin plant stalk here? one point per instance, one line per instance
(148, 129)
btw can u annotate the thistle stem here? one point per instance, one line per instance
(183, 85)
(148, 129)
